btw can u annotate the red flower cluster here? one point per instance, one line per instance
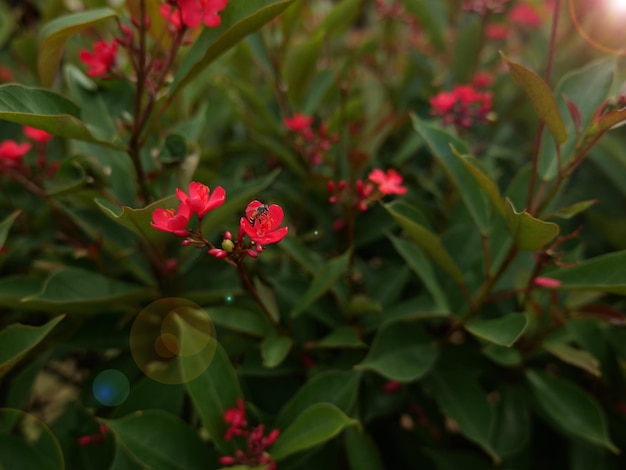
(310, 142)
(379, 184)
(524, 15)
(462, 107)
(255, 453)
(482, 7)
(93, 438)
(101, 60)
(192, 13)
(11, 153)
(261, 223)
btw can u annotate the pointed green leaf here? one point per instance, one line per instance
(441, 144)
(238, 20)
(274, 350)
(541, 97)
(607, 121)
(572, 407)
(529, 232)
(604, 273)
(402, 352)
(337, 387)
(324, 279)
(575, 209)
(55, 34)
(411, 221)
(244, 321)
(511, 431)
(69, 285)
(574, 356)
(268, 298)
(414, 257)
(462, 399)
(6, 224)
(160, 440)
(485, 182)
(507, 357)
(342, 337)
(16, 340)
(503, 331)
(362, 451)
(213, 392)
(315, 425)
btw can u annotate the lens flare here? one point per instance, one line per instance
(111, 387)
(601, 23)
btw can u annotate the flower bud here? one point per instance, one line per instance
(252, 253)
(228, 245)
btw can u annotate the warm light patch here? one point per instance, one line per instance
(619, 6)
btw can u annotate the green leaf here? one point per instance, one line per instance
(507, 357)
(572, 407)
(486, 183)
(462, 399)
(573, 210)
(401, 351)
(342, 337)
(299, 66)
(511, 431)
(587, 88)
(604, 273)
(323, 280)
(411, 221)
(213, 392)
(138, 220)
(576, 357)
(361, 450)
(69, 285)
(238, 20)
(16, 340)
(432, 17)
(237, 319)
(45, 110)
(160, 440)
(55, 34)
(606, 122)
(529, 232)
(337, 387)
(467, 45)
(274, 350)
(503, 331)
(268, 298)
(541, 97)
(5, 226)
(315, 425)
(442, 145)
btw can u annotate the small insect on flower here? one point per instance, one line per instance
(260, 213)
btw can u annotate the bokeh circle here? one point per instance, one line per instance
(600, 23)
(111, 387)
(173, 340)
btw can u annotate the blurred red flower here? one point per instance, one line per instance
(101, 60)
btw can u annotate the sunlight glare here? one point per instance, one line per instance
(618, 5)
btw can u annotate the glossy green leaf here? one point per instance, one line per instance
(587, 88)
(238, 20)
(244, 321)
(604, 273)
(486, 183)
(55, 34)
(503, 331)
(337, 387)
(213, 392)
(17, 339)
(274, 350)
(417, 308)
(572, 407)
(541, 97)
(342, 337)
(411, 221)
(461, 398)
(361, 450)
(511, 431)
(507, 357)
(160, 440)
(266, 294)
(138, 220)
(529, 232)
(45, 110)
(574, 356)
(71, 285)
(402, 352)
(315, 425)
(323, 280)
(299, 66)
(444, 147)
(575, 209)
(6, 224)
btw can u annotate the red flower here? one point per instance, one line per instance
(168, 220)
(11, 152)
(388, 183)
(236, 417)
(37, 134)
(524, 15)
(199, 200)
(5, 75)
(482, 80)
(497, 31)
(101, 60)
(262, 222)
(463, 106)
(547, 282)
(443, 102)
(173, 15)
(298, 122)
(202, 11)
